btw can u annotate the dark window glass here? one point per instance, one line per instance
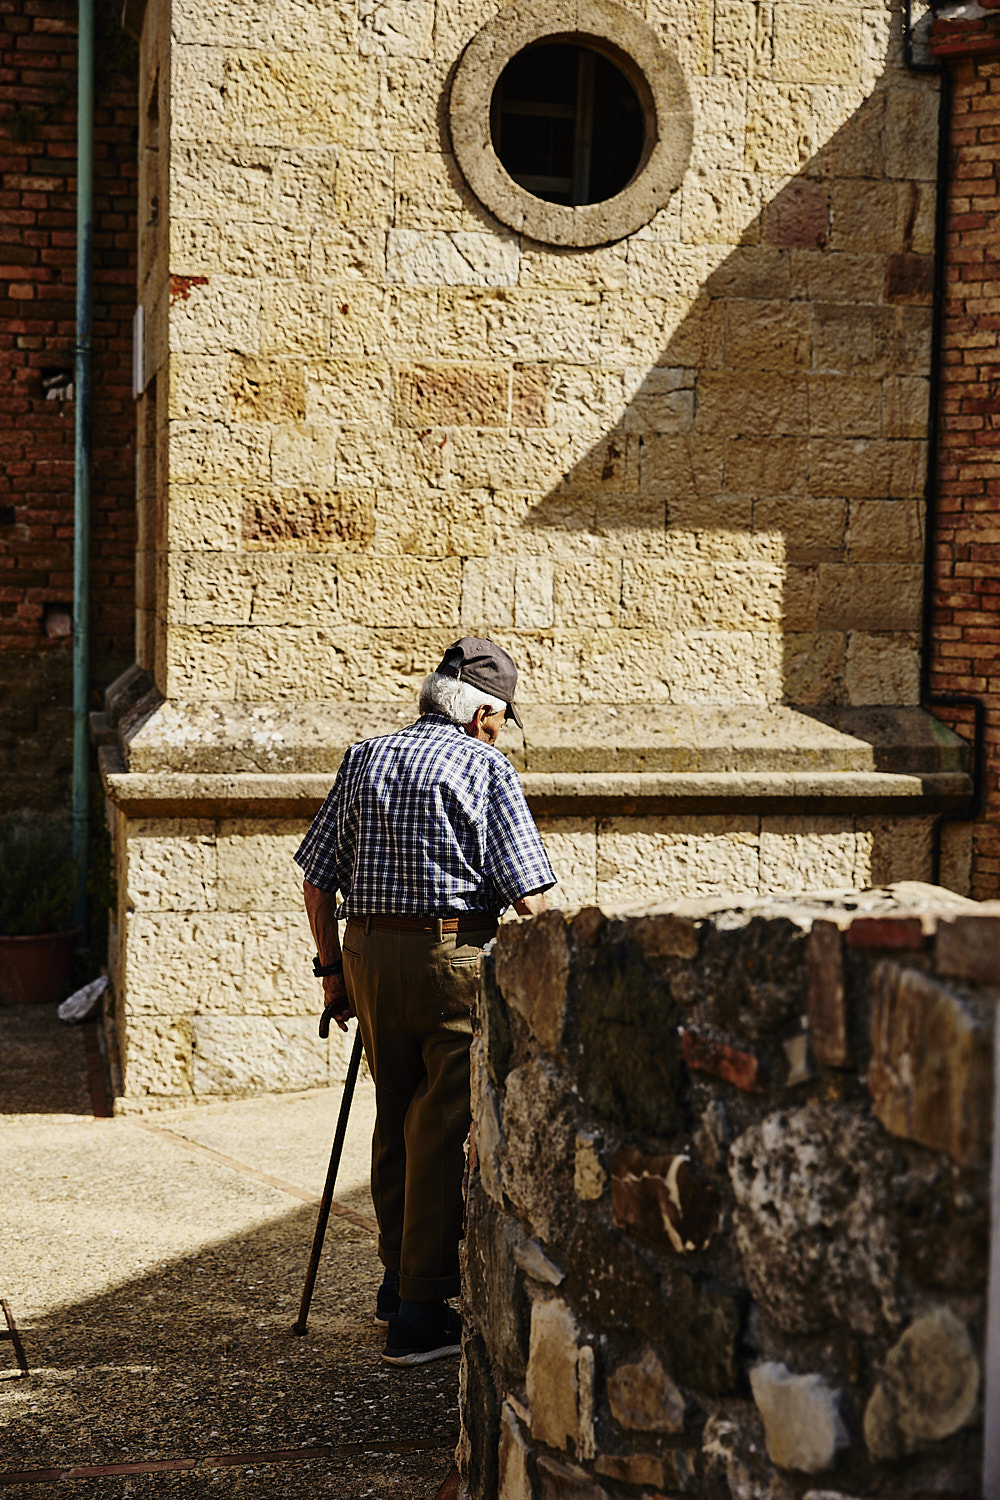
(567, 123)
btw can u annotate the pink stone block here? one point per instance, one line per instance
(705, 1054)
(885, 932)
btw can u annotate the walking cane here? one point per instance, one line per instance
(299, 1326)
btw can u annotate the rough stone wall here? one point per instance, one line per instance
(37, 311)
(967, 595)
(685, 467)
(728, 1207)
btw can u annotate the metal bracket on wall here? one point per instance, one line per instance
(12, 1334)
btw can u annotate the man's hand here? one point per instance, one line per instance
(338, 1004)
(531, 904)
(321, 908)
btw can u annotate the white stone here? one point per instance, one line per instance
(515, 1482)
(816, 1240)
(462, 258)
(560, 1380)
(796, 1050)
(928, 1389)
(826, 1495)
(489, 1133)
(533, 1261)
(803, 1427)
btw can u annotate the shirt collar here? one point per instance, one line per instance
(432, 721)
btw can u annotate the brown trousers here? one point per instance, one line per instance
(413, 994)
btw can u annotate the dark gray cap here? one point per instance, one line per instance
(483, 665)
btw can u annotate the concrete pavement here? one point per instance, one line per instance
(154, 1266)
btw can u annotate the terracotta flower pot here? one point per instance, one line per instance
(37, 970)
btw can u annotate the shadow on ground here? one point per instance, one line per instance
(44, 1069)
(156, 1288)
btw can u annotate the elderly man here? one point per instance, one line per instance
(428, 838)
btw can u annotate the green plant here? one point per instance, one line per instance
(36, 880)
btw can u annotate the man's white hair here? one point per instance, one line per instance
(458, 701)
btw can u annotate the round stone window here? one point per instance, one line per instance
(567, 123)
(575, 134)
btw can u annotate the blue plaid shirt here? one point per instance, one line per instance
(425, 822)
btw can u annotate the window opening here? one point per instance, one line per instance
(567, 123)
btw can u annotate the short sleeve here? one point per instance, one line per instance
(319, 851)
(516, 861)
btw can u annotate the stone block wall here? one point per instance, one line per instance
(678, 475)
(728, 1210)
(683, 467)
(211, 964)
(616, 859)
(211, 952)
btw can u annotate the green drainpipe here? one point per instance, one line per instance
(82, 392)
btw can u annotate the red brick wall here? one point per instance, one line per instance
(966, 655)
(37, 327)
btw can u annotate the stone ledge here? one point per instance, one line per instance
(594, 739)
(208, 795)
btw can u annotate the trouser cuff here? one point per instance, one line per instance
(429, 1288)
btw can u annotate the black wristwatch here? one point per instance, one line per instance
(322, 971)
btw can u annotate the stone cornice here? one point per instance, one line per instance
(249, 794)
(161, 758)
(285, 739)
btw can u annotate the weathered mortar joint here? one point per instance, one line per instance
(749, 1285)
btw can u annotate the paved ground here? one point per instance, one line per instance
(154, 1267)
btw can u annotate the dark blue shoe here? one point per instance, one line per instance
(434, 1334)
(387, 1300)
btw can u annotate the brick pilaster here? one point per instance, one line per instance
(37, 317)
(38, 49)
(966, 652)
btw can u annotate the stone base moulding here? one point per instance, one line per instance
(654, 73)
(211, 951)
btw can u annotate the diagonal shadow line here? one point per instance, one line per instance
(362, 1221)
(752, 452)
(154, 1364)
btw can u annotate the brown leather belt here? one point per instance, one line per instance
(468, 922)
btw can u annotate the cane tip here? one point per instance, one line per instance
(299, 1329)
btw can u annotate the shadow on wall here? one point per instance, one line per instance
(764, 478)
